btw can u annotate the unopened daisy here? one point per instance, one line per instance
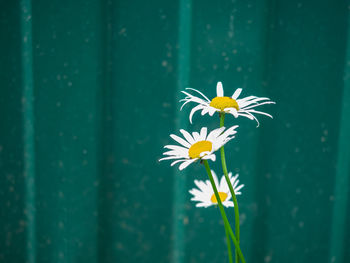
(205, 196)
(197, 146)
(237, 107)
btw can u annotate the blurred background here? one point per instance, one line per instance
(89, 96)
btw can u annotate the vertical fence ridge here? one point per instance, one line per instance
(105, 131)
(342, 180)
(28, 126)
(183, 71)
(259, 248)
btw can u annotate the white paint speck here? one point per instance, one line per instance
(267, 258)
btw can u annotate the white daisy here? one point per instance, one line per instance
(198, 145)
(205, 193)
(232, 105)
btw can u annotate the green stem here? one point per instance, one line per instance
(228, 245)
(222, 211)
(224, 168)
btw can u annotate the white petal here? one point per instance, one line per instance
(177, 153)
(198, 107)
(199, 93)
(236, 94)
(219, 90)
(191, 98)
(204, 111)
(210, 188)
(215, 133)
(234, 181)
(251, 115)
(210, 157)
(198, 198)
(245, 115)
(224, 138)
(196, 136)
(170, 158)
(197, 194)
(228, 132)
(212, 110)
(228, 204)
(201, 185)
(205, 187)
(187, 163)
(180, 140)
(202, 154)
(203, 133)
(175, 147)
(238, 188)
(260, 112)
(222, 185)
(187, 136)
(246, 99)
(186, 101)
(215, 179)
(177, 161)
(232, 111)
(253, 101)
(259, 104)
(203, 205)
(230, 175)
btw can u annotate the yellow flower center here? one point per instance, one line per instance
(222, 196)
(197, 148)
(222, 103)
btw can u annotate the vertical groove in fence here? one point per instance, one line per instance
(183, 71)
(342, 180)
(105, 106)
(28, 124)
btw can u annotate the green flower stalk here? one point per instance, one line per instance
(223, 214)
(224, 169)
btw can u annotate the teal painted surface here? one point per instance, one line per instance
(13, 219)
(89, 96)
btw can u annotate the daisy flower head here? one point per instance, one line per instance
(205, 196)
(237, 107)
(197, 146)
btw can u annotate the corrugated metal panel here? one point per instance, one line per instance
(90, 93)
